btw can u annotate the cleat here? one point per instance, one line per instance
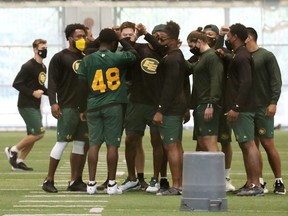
(21, 167)
(153, 186)
(251, 190)
(113, 189)
(240, 189)
(11, 157)
(91, 188)
(78, 185)
(228, 186)
(170, 192)
(128, 185)
(103, 186)
(279, 188)
(48, 186)
(164, 185)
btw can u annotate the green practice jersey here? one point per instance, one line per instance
(105, 74)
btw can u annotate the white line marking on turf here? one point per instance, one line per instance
(68, 195)
(57, 206)
(63, 201)
(96, 210)
(52, 215)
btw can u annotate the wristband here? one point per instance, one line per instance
(209, 105)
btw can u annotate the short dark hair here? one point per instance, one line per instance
(127, 24)
(251, 31)
(37, 42)
(70, 29)
(172, 29)
(107, 36)
(239, 30)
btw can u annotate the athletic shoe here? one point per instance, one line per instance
(128, 185)
(11, 156)
(279, 188)
(78, 185)
(113, 189)
(48, 186)
(170, 192)
(103, 186)
(164, 185)
(143, 184)
(244, 187)
(153, 186)
(21, 167)
(264, 188)
(91, 188)
(229, 187)
(251, 190)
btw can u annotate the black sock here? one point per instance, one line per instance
(140, 176)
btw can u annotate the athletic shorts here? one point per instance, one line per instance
(33, 120)
(264, 125)
(69, 126)
(243, 127)
(106, 125)
(206, 128)
(224, 130)
(171, 130)
(137, 117)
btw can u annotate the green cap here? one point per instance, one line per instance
(212, 27)
(158, 28)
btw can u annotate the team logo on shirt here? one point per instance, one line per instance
(42, 78)
(75, 65)
(149, 65)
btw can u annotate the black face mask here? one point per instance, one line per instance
(42, 53)
(228, 45)
(211, 41)
(163, 49)
(195, 50)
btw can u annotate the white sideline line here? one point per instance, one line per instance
(68, 195)
(52, 215)
(56, 206)
(63, 201)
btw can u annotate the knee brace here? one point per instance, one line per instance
(58, 150)
(78, 147)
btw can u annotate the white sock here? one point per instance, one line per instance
(14, 149)
(261, 181)
(227, 173)
(111, 182)
(19, 160)
(279, 179)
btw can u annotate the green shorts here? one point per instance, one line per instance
(69, 126)
(106, 125)
(264, 126)
(137, 117)
(172, 129)
(224, 130)
(202, 127)
(33, 120)
(243, 127)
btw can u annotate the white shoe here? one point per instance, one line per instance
(264, 188)
(113, 189)
(154, 186)
(229, 186)
(91, 188)
(130, 185)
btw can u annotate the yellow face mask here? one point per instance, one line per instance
(80, 44)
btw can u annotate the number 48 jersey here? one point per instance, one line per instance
(105, 72)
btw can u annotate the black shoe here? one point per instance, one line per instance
(279, 188)
(103, 186)
(21, 167)
(11, 156)
(48, 186)
(78, 185)
(244, 187)
(164, 184)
